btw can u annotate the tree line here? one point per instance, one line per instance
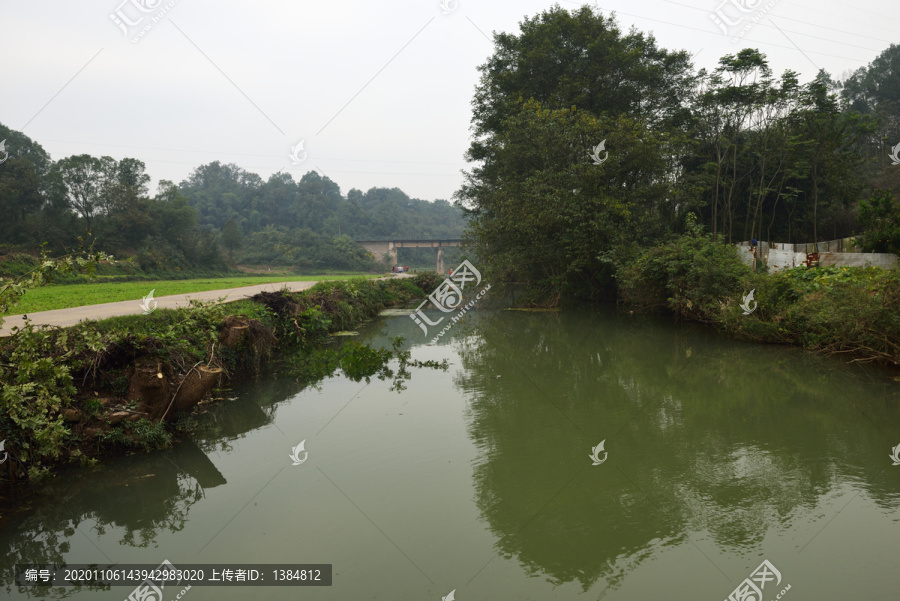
(219, 215)
(748, 153)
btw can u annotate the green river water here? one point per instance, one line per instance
(479, 480)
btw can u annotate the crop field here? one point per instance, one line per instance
(64, 296)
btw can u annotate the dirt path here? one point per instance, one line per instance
(70, 317)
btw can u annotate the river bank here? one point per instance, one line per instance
(129, 383)
(847, 311)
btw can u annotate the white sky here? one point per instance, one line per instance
(379, 91)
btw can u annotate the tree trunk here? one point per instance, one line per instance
(815, 207)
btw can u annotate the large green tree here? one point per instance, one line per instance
(875, 90)
(580, 59)
(183, 226)
(82, 179)
(833, 153)
(22, 187)
(541, 211)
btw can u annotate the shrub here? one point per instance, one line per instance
(847, 310)
(880, 218)
(38, 386)
(17, 264)
(142, 434)
(690, 276)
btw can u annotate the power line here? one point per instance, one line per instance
(795, 45)
(797, 32)
(713, 33)
(859, 35)
(857, 9)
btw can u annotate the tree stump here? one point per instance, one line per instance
(149, 386)
(195, 386)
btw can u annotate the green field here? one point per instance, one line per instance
(64, 296)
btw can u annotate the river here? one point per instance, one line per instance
(481, 481)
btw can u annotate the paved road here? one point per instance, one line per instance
(69, 317)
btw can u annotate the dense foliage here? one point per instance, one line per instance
(308, 224)
(592, 143)
(848, 310)
(690, 276)
(218, 216)
(540, 211)
(226, 193)
(60, 386)
(880, 215)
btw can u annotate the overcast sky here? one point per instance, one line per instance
(378, 91)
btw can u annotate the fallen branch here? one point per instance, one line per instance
(179, 388)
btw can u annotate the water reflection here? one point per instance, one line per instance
(135, 499)
(150, 494)
(713, 445)
(704, 436)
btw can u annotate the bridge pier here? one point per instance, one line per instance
(380, 249)
(439, 265)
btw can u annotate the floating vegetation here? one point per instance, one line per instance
(394, 312)
(345, 333)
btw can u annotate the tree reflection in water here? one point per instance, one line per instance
(711, 442)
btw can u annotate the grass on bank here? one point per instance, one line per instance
(65, 296)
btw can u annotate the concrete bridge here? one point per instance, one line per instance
(389, 247)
